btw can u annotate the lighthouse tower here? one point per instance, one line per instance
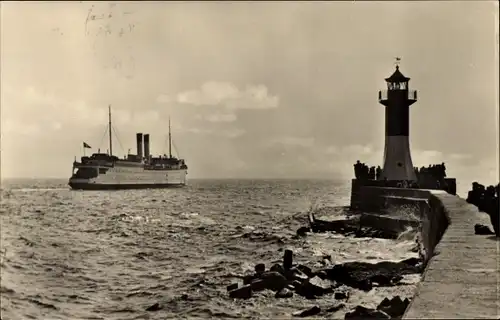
(397, 100)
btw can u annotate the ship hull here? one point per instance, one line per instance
(123, 178)
(123, 186)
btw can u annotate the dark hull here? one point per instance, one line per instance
(99, 186)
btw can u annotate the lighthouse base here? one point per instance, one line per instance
(397, 159)
(365, 199)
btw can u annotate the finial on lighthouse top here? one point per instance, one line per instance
(397, 76)
(397, 62)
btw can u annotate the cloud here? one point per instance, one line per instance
(38, 111)
(228, 117)
(225, 94)
(213, 108)
(210, 93)
(163, 98)
(291, 141)
(30, 111)
(228, 133)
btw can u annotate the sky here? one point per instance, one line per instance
(254, 90)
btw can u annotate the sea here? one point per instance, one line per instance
(111, 254)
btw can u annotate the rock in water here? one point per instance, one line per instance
(154, 307)
(232, 287)
(305, 270)
(248, 278)
(360, 275)
(284, 293)
(258, 285)
(287, 259)
(244, 292)
(278, 268)
(342, 295)
(335, 308)
(314, 287)
(395, 307)
(302, 231)
(324, 285)
(260, 268)
(308, 312)
(361, 312)
(274, 280)
(295, 274)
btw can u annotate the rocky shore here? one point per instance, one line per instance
(289, 279)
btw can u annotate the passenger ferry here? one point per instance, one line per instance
(104, 171)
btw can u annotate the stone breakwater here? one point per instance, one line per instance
(288, 279)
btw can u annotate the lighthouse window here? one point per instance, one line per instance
(402, 85)
(393, 86)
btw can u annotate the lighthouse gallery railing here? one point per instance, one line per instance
(383, 94)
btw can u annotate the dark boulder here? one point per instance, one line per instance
(324, 285)
(273, 280)
(338, 226)
(350, 227)
(258, 285)
(321, 273)
(481, 229)
(232, 287)
(308, 312)
(287, 259)
(361, 312)
(260, 268)
(247, 279)
(302, 231)
(295, 274)
(341, 295)
(284, 293)
(414, 262)
(296, 283)
(278, 268)
(306, 270)
(244, 292)
(336, 307)
(314, 287)
(154, 307)
(394, 307)
(361, 275)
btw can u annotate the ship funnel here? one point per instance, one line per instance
(146, 146)
(139, 145)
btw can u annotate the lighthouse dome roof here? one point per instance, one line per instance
(397, 76)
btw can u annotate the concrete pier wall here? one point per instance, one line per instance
(462, 276)
(389, 200)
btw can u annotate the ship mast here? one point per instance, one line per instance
(110, 134)
(169, 139)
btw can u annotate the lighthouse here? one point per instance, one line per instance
(397, 100)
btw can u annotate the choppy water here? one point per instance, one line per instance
(109, 255)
